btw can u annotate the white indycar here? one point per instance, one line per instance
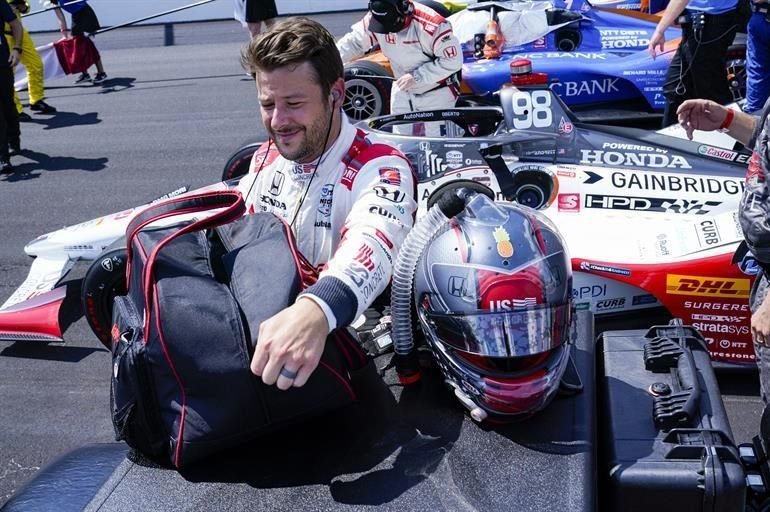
(649, 218)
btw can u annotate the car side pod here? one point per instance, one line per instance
(36, 319)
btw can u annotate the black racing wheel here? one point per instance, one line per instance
(106, 278)
(367, 90)
(238, 164)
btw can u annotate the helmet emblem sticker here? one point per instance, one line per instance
(503, 239)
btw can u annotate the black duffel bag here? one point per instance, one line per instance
(198, 290)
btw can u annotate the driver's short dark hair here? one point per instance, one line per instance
(292, 42)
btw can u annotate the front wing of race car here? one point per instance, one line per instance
(31, 313)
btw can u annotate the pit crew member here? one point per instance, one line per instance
(698, 67)
(424, 54)
(349, 202)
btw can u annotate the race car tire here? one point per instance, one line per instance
(105, 278)
(440, 8)
(366, 94)
(238, 164)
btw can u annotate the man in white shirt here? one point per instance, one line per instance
(349, 202)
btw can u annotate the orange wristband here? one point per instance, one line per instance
(728, 120)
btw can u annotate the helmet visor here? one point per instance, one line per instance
(502, 334)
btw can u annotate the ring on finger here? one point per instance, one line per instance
(285, 372)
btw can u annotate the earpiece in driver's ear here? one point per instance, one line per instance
(335, 96)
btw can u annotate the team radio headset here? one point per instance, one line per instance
(334, 96)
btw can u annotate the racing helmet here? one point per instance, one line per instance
(389, 16)
(493, 294)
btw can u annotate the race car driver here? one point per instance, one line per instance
(754, 209)
(349, 202)
(424, 54)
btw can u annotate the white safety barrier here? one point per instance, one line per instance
(111, 12)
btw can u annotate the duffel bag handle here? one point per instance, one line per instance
(232, 207)
(231, 200)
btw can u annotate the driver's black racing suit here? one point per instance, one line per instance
(754, 214)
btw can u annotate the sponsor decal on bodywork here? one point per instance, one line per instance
(454, 159)
(565, 127)
(569, 203)
(429, 162)
(610, 304)
(729, 319)
(708, 233)
(675, 183)
(589, 291)
(722, 154)
(678, 284)
(742, 307)
(586, 87)
(632, 159)
(619, 38)
(711, 328)
(587, 266)
(650, 204)
(566, 55)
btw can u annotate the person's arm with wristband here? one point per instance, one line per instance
(707, 115)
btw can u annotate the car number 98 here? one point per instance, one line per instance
(531, 109)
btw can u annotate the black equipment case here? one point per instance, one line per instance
(664, 432)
